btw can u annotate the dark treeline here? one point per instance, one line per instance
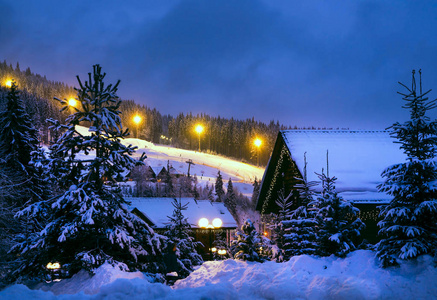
(228, 137)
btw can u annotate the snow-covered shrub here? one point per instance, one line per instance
(247, 245)
(179, 234)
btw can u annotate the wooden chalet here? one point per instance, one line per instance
(355, 158)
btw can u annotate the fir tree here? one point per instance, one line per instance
(169, 182)
(247, 243)
(195, 192)
(255, 194)
(277, 227)
(409, 225)
(20, 179)
(230, 200)
(219, 191)
(210, 195)
(179, 233)
(339, 229)
(301, 229)
(18, 137)
(90, 223)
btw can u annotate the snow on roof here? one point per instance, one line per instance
(157, 210)
(356, 158)
(157, 170)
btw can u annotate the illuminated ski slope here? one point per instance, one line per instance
(205, 165)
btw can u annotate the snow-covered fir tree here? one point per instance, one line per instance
(339, 229)
(179, 234)
(247, 243)
(18, 145)
(230, 200)
(90, 223)
(279, 223)
(409, 225)
(219, 191)
(301, 228)
(21, 179)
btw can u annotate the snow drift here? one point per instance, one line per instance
(303, 277)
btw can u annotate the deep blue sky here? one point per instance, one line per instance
(321, 63)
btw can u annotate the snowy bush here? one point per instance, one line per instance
(248, 244)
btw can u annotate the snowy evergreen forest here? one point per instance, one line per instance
(228, 137)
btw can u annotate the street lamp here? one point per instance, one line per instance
(8, 83)
(216, 223)
(72, 102)
(199, 129)
(137, 121)
(257, 144)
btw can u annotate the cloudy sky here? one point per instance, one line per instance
(304, 63)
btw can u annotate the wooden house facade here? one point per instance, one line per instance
(355, 158)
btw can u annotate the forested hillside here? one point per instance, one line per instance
(229, 137)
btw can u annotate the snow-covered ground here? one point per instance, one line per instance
(303, 277)
(205, 165)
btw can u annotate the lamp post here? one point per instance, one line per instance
(257, 144)
(8, 83)
(216, 223)
(137, 120)
(72, 102)
(199, 129)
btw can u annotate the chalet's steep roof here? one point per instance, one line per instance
(157, 211)
(356, 158)
(157, 170)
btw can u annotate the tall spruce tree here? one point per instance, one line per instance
(409, 225)
(18, 137)
(89, 223)
(230, 200)
(179, 233)
(219, 191)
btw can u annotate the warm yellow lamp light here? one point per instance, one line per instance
(199, 128)
(72, 102)
(137, 119)
(53, 266)
(8, 83)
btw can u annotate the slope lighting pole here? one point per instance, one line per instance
(257, 144)
(199, 130)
